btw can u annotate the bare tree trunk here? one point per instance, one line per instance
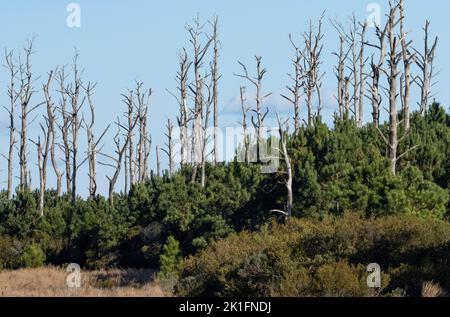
(183, 118)
(362, 76)
(258, 124)
(289, 179)
(130, 168)
(169, 147)
(143, 100)
(73, 92)
(52, 132)
(245, 110)
(394, 59)
(215, 80)
(92, 144)
(377, 68)
(64, 128)
(407, 61)
(120, 151)
(312, 61)
(44, 150)
(297, 78)
(26, 92)
(158, 162)
(425, 61)
(200, 51)
(13, 96)
(205, 137)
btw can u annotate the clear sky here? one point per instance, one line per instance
(124, 41)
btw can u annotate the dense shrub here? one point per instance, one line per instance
(33, 256)
(323, 258)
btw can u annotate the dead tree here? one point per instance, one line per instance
(73, 92)
(143, 146)
(42, 153)
(169, 147)
(158, 162)
(342, 79)
(408, 59)
(117, 159)
(215, 77)
(425, 61)
(246, 136)
(130, 160)
(362, 76)
(395, 56)
(183, 118)
(51, 119)
(376, 70)
(64, 128)
(199, 50)
(43, 150)
(209, 100)
(297, 78)
(283, 134)
(258, 123)
(394, 59)
(312, 61)
(13, 97)
(93, 143)
(26, 92)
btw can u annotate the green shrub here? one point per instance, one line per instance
(171, 261)
(33, 256)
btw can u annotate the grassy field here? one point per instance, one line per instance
(51, 282)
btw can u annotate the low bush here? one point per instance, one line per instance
(323, 258)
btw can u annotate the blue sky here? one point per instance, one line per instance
(124, 41)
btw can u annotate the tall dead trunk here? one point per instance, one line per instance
(425, 61)
(26, 92)
(377, 69)
(407, 61)
(311, 64)
(282, 130)
(169, 147)
(183, 118)
(51, 117)
(215, 76)
(158, 162)
(143, 154)
(200, 50)
(394, 59)
(297, 78)
(13, 97)
(64, 128)
(74, 91)
(93, 143)
(362, 76)
(246, 136)
(258, 123)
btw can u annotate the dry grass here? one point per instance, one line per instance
(51, 282)
(431, 289)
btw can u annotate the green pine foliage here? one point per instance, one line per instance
(171, 260)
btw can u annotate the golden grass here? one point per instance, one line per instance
(51, 282)
(431, 289)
